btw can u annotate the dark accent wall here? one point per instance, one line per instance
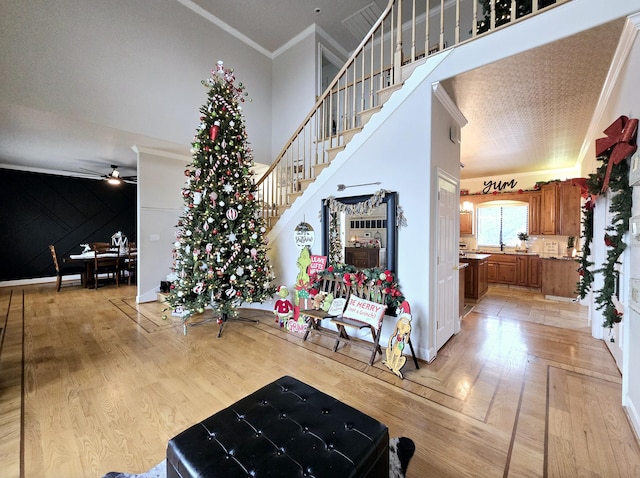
(41, 209)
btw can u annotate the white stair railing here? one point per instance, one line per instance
(404, 34)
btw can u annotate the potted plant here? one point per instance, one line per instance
(523, 236)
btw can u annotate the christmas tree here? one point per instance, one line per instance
(220, 255)
(503, 13)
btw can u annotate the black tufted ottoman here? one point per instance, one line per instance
(285, 429)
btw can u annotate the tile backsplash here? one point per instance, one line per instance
(544, 246)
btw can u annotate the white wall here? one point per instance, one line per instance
(624, 100)
(160, 181)
(293, 89)
(388, 139)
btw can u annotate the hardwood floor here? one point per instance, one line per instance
(90, 382)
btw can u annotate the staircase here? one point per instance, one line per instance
(396, 44)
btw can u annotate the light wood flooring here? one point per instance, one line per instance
(90, 382)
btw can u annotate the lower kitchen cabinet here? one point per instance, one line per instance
(560, 277)
(514, 269)
(476, 283)
(502, 268)
(534, 274)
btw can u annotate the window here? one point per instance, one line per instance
(499, 222)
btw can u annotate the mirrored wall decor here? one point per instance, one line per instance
(366, 230)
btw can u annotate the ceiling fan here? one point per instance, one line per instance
(115, 178)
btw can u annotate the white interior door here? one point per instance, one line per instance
(447, 317)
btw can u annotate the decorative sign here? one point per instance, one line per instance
(551, 247)
(337, 306)
(304, 235)
(365, 311)
(318, 263)
(498, 185)
(297, 326)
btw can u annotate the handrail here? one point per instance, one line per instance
(377, 65)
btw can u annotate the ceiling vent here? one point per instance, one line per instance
(361, 22)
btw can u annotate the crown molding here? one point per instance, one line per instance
(444, 98)
(198, 10)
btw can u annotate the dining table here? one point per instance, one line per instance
(88, 259)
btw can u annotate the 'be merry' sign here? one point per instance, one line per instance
(365, 311)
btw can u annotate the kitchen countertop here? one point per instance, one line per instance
(513, 253)
(485, 254)
(474, 255)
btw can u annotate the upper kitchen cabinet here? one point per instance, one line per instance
(466, 215)
(466, 222)
(535, 199)
(559, 209)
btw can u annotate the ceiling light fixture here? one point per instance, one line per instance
(114, 178)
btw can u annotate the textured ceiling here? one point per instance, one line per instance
(531, 112)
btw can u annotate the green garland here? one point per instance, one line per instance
(586, 276)
(620, 209)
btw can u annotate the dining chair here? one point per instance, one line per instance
(106, 263)
(131, 262)
(63, 269)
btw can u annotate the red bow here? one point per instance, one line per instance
(621, 136)
(582, 184)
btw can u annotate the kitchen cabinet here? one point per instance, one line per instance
(462, 271)
(362, 257)
(514, 269)
(569, 209)
(522, 270)
(560, 209)
(534, 272)
(535, 199)
(559, 277)
(476, 284)
(502, 268)
(466, 222)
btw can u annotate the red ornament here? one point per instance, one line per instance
(609, 241)
(590, 204)
(215, 129)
